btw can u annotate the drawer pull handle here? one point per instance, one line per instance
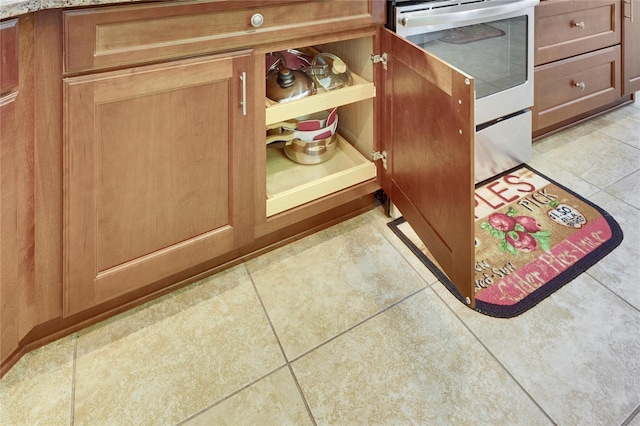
(257, 20)
(581, 86)
(579, 25)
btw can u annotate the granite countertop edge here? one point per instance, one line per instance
(15, 8)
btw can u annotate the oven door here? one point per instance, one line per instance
(492, 41)
(428, 134)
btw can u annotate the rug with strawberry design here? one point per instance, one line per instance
(532, 236)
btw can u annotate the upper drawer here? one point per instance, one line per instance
(122, 35)
(566, 28)
(8, 56)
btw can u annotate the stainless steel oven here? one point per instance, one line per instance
(492, 41)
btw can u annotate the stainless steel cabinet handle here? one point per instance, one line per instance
(579, 25)
(581, 86)
(257, 20)
(243, 102)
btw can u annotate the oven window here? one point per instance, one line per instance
(494, 53)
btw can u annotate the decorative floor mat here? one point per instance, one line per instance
(532, 236)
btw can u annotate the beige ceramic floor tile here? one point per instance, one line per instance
(318, 287)
(627, 189)
(274, 400)
(172, 358)
(620, 269)
(380, 221)
(622, 124)
(413, 364)
(557, 140)
(597, 158)
(555, 171)
(577, 353)
(38, 389)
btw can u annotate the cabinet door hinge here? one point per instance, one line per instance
(380, 58)
(377, 155)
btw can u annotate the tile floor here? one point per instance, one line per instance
(347, 327)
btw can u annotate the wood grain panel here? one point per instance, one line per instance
(9, 256)
(631, 47)
(429, 139)
(558, 33)
(150, 184)
(18, 297)
(9, 57)
(116, 36)
(557, 96)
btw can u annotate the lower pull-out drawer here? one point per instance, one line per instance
(568, 88)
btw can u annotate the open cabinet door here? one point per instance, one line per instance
(428, 135)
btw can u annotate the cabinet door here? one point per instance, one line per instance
(9, 256)
(155, 177)
(631, 46)
(428, 134)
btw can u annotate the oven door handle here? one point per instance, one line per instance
(427, 18)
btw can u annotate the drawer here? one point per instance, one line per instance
(109, 37)
(565, 28)
(568, 88)
(8, 56)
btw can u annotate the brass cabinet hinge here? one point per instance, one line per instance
(377, 155)
(380, 58)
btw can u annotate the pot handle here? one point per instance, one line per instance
(286, 136)
(289, 124)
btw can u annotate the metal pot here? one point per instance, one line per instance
(314, 152)
(289, 85)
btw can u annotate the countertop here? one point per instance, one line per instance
(11, 8)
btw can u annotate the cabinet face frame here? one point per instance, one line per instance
(631, 46)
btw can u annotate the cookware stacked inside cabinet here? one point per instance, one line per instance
(308, 156)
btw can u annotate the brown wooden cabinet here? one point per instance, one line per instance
(17, 291)
(157, 177)
(164, 174)
(631, 46)
(577, 60)
(9, 276)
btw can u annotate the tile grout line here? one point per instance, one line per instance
(72, 405)
(229, 396)
(635, 413)
(284, 354)
(506, 370)
(359, 323)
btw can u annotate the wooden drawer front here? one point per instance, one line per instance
(558, 95)
(8, 56)
(565, 28)
(116, 36)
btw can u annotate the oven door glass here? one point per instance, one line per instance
(494, 53)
